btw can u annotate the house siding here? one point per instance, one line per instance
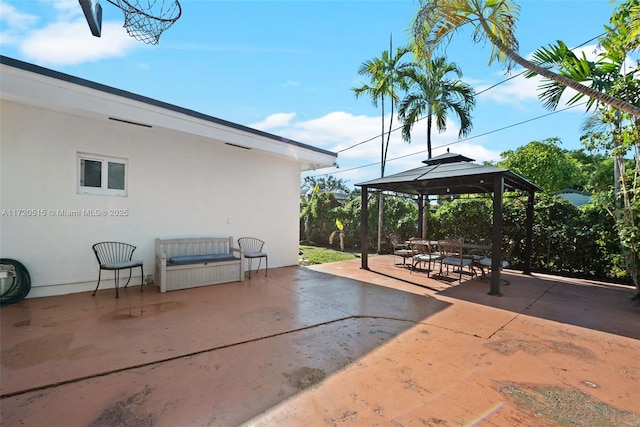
(179, 185)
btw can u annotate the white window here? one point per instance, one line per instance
(102, 175)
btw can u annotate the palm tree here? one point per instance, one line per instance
(432, 94)
(384, 78)
(608, 128)
(385, 82)
(437, 21)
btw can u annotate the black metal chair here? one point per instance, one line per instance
(252, 249)
(116, 256)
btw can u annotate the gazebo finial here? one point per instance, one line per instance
(447, 158)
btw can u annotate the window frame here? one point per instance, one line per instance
(104, 189)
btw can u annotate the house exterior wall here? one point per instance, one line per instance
(179, 185)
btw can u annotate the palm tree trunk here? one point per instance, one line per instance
(429, 125)
(592, 93)
(386, 148)
(381, 200)
(624, 213)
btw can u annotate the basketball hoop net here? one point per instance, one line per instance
(145, 20)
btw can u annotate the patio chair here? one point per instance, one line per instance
(504, 263)
(252, 248)
(400, 248)
(116, 256)
(423, 253)
(452, 254)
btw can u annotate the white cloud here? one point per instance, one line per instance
(515, 91)
(65, 39)
(14, 23)
(67, 9)
(71, 43)
(274, 122)
(13, 18)
(360, 161)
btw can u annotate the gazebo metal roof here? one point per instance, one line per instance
(452, 173)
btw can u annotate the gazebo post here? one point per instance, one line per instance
(364, 228)
(421, 232)
(426, 207)
(496, 235)
(529, 234)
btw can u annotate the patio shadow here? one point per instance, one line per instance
(594, 305)
(233, 350)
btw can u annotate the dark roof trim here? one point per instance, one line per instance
(140, 98)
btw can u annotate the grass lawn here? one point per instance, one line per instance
(319, 255)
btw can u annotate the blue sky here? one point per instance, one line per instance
(287, 67)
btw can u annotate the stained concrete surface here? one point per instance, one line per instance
(328, 345)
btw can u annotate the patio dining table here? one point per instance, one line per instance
(465, 246)
(479, 249)
(474, 251)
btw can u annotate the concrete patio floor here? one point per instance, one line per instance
(329, 345)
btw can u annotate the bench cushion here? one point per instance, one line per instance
(199, 259)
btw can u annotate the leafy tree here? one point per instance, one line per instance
(401, 218)
(330, 184)
(469, 217)
(432, 94)
(615, 132)
(596, 170)
(339, 233)
(317, 215)
(601, 245)
(607, 133)
(493, 20)
(544, 163)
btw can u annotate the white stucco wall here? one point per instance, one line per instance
(179, 185)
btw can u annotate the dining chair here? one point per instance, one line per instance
(400, 249)
(504, 263)
(116, 256)
(424, 253)
(452, 254)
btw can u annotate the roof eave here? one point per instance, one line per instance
(34, 85)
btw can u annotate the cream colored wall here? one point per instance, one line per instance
(178, 186)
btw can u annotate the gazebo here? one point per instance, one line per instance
(452, 173)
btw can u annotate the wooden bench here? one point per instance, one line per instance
(193, 262)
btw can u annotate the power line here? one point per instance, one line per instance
(424, 117)
(477, 93)
(457, 141)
